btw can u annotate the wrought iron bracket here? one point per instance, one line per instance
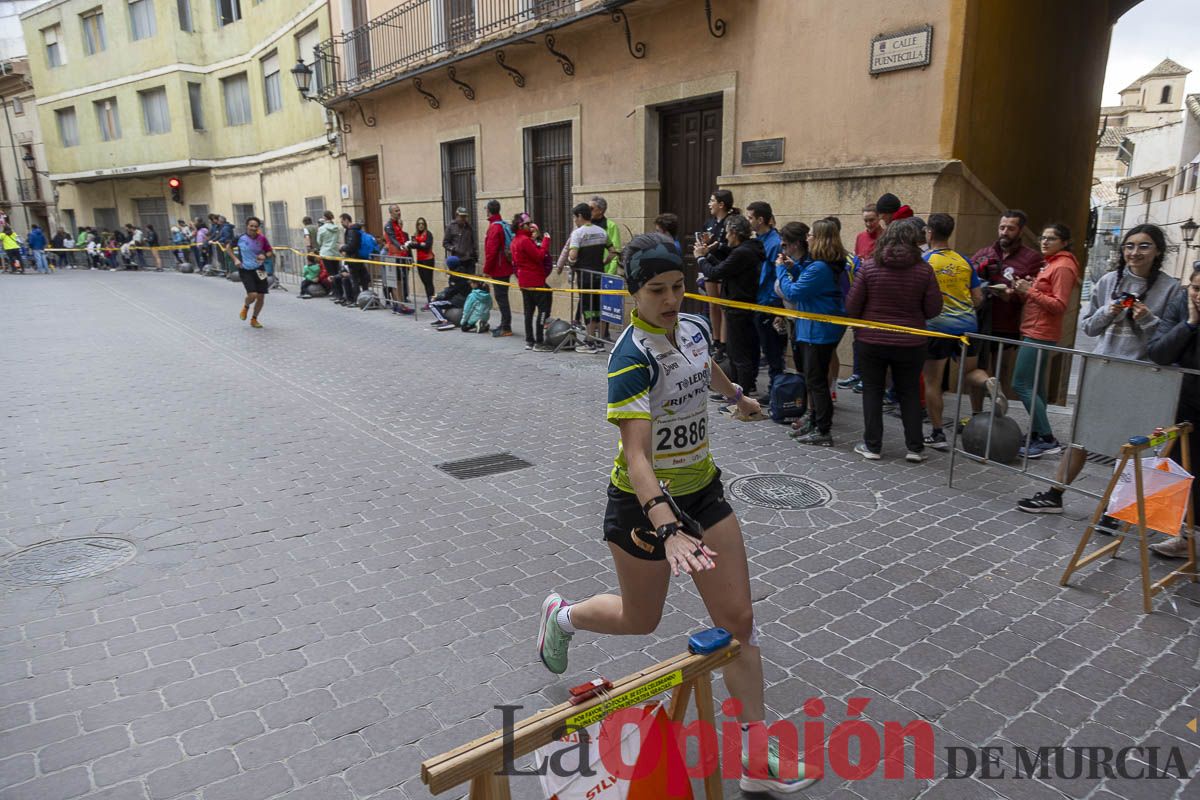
(513, 73)
(369, 121)
(429, 96)
(568, 66)
(467, 91)
(636, 49)
(716, 29)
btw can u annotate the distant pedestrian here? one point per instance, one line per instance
(497, 264)
(12, 250)
(716, 250)
(814, 289)
(1177, 341)
(250, 255)
(738, 275)
(37, 245)
(899, 288)
(459, 240)
(762, 220)
(962, 293)
(529, 263)
(1045, 298)
(421, 247)
(1124, 314)
(585, 253)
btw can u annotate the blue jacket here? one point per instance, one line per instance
(814, 291)
(37, 239)
(477, 308)
(766, 279)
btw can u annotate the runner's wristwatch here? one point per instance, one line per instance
(737, 395)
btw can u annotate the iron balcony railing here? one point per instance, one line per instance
(424, 33)
(28, 190)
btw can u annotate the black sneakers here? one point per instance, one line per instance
(1042, 503)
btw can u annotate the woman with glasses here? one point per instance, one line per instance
(1123, 314)
(1045, 298)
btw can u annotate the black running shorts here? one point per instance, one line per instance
(626, 525)
(252, 282)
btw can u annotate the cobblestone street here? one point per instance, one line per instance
(309, 607)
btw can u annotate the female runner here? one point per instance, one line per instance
(659, 376)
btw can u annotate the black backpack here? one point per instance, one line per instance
(789, 398)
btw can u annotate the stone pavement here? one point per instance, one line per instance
(313, 608)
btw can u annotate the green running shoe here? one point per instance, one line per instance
(552, 640)
(772, 782)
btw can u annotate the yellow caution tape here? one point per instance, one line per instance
(848, 322)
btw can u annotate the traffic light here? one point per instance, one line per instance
(176, 189)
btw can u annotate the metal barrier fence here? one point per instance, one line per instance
(1117, 398)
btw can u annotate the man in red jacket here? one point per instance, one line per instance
(396, 246)
(497, 263)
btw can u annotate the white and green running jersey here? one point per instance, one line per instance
(651, 378)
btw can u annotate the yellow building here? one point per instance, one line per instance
(133, 92)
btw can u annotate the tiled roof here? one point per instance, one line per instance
(1165, 69)
(1112, 136)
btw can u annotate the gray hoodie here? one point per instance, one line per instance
(1120, 334)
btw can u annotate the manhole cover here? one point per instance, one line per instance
(55, 563)
(479, 466)
(788, 492)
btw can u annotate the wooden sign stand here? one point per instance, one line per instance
(480, 762)
(1133, 451)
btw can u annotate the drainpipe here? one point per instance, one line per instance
(16, 169)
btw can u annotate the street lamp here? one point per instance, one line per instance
(30, 161)
(1188, 229)
(302, 74)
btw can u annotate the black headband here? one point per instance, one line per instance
(645, 264)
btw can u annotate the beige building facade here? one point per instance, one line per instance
(655, 103)
(134, 93)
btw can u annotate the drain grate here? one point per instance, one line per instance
(480, 466)
(1100, 458)
(785, 492)
(55, 563)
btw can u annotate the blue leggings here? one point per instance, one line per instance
(1025, 376)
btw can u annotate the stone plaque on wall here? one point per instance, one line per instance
(762, 151)
(902, 50)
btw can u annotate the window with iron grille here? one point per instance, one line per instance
(548, 178)
(94, 38)
(314, 207)
(198, 211)
(141, 19)
(68, 221)
(68, 126)
(458, 179)
(241, 213)
(279, 233)
(18, 107)
(106, 218)
(153, 211)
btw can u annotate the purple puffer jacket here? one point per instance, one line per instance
(900, 289)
